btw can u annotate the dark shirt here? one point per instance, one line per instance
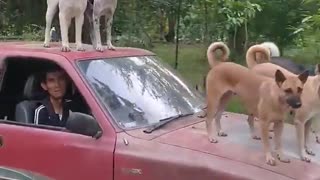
(45, 114)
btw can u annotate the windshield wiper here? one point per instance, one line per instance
(165, 121)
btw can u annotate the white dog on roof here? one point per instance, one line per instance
(68, 9)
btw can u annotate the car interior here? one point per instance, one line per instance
(20, 90)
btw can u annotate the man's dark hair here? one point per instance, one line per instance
(49, 69)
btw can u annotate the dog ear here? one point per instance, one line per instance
(280, 78)
(304, 76)
(317, 69)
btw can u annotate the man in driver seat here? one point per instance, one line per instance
(54, 109)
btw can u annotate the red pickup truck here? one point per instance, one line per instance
(138, 120)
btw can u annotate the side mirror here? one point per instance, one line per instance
(83, 124)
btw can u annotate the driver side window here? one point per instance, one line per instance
(42, 95)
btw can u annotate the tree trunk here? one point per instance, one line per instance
(103, 30)
(162, 22)
(86, 31)
(245, 47)
(172, 23)
(240, 41)
(177, 39)
(236, 40)
(230, 40)
(206, 21)
(234, 45)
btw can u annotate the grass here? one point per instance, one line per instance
(307, 56)
(192, 65)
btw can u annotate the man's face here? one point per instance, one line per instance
(55, 84)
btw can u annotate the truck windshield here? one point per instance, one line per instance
(140, 91)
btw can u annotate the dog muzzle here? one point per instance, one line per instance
(294, 102)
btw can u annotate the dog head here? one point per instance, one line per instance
(291, 88)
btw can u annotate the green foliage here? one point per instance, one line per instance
(277, 21)
(237, 12)
(203, 20)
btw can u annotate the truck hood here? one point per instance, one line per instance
(239, 146)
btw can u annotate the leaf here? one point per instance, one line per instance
(304, 20)
(298, 31)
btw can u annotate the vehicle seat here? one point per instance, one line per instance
(33, 94)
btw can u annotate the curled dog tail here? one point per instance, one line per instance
(252, 53)
(211, 53)
(274, 50)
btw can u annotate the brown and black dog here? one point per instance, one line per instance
(267, 98)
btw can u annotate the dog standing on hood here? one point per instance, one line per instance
(68, 9)
(295, 68)
(310, 98)
(267, 98)
(95, 10)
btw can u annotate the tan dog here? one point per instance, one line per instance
(310, 101)
(264, 97)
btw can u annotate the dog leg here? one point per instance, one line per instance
(79, 24)
(218, 122)
(64, 26)
(300, 136)
(307, 128)
(109, 21)
(264, 124)
(316, 127)
(211, 134)
(51, 10)
(211, 114)
(271, 129)
(253, 132)
(278, 129)
(222, 105)
(96, 27)
(251, 126)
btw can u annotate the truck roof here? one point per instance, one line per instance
(55, 48)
